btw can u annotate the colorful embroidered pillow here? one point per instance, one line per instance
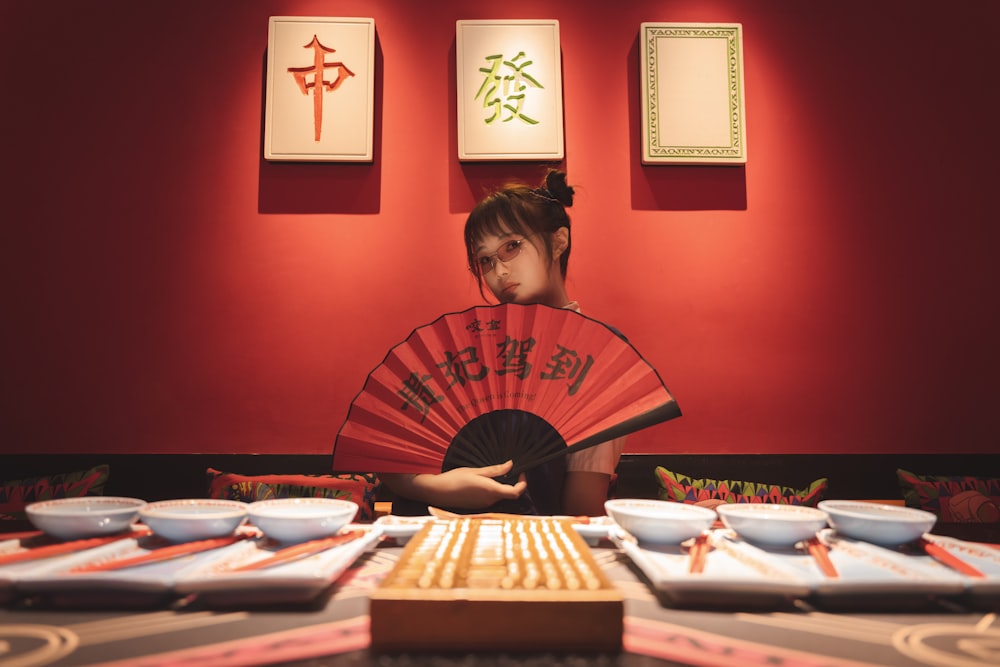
(955, 499)
(15, 494)
(359, 488)
(711, 492)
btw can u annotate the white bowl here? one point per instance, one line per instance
(659, 521)
(771, 524)
(80, 518)
(887, 525)
(301, 519)
(193, 519)
(594, 530)
(402, 528)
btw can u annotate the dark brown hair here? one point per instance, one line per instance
(520, 209)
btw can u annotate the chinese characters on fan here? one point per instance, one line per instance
(503, 88)
(319, 84)
(514, 354)
(464, 366)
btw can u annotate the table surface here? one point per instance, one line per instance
(334, 631)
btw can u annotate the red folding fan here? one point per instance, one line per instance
(494, 383)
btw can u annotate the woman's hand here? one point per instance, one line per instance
(460, 488)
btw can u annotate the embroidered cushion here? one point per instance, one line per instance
(15, 494)
(711, 492)
(955, 499)
(358, 488)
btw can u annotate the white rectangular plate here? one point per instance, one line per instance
(200, 573)
(54, 578)
(870, 569)
(730, 576)
(739, 572)
(298, 581)
(867, 574)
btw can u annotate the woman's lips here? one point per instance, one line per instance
(507, 293)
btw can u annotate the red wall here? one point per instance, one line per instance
(166, 290)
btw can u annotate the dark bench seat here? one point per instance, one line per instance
(851, 476)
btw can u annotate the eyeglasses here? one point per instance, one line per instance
(505, 253)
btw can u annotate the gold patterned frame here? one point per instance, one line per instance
(693, 99)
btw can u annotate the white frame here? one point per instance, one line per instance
(693, 108)
(343, 118)
(507, 135)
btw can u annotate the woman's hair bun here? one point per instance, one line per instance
(555, 183)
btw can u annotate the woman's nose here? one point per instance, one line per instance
(500, 267)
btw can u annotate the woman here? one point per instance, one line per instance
(518, 243)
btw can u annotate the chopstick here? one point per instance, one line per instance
(945, 557)
(24, 535)
(162, 554)
(289, 554)
(821, 554)
(698, 554)
(61, 548)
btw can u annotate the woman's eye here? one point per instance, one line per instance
(485, 261)
(513, 246)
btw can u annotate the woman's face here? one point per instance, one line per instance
(530, 276)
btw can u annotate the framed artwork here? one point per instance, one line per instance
(319, 98)
(509, 82)
(692, 87)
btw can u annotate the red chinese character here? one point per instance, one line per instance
(319, 82)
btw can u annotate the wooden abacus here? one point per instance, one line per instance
(510, 584)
